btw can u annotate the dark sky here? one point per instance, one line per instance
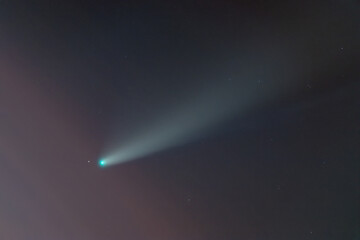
(75, 74)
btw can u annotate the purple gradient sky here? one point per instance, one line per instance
(288, 170)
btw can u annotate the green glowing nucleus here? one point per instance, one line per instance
(102, 163)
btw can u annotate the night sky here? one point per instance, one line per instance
(253, 106)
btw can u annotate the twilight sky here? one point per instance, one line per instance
(233, 120)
